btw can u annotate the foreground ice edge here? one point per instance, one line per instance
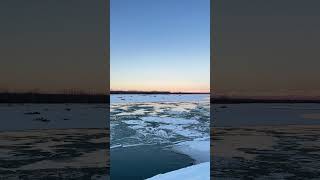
(198, 149)
(195, 172)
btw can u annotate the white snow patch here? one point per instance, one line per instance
(195, 172)
(169, 120)
(162, 133)
(137, 112)
(133, 122)
(181, 131)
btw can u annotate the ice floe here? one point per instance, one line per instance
(128, 98)
(198, 149)
(195, 172)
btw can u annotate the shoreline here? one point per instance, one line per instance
(159, 94)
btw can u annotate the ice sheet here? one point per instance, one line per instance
(195, 172)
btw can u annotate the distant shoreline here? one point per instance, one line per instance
(155, 92)
(105, 98)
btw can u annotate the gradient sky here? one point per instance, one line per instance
(161, 45)
(53, 45)
(266, 48)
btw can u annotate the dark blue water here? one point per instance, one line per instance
(55, 116)
(141, 162)
(235, 115)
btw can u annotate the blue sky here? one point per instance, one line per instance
(160, 45)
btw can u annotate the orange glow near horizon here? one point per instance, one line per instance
(196, 87)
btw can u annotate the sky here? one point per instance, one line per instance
(266, 48)
(160, 45)
(53, 46)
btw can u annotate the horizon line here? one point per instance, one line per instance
(156, 92)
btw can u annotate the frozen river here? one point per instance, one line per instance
(177, 126)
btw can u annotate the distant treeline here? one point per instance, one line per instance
(152, 92)
(224, 100)
(53, 98)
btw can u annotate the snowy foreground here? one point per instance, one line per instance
(195, 172)
(198, 150)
